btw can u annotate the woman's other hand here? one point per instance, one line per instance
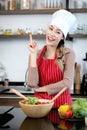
(40, 89)
(32, 46)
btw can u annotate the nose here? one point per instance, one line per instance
(52, 33)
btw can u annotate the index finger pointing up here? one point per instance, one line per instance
(30, 35)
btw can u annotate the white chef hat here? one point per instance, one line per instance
(65, 21)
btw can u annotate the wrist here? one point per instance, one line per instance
(33, 55)
(33, 59)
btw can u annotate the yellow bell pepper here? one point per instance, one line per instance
(63, 109)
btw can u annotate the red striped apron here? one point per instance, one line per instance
(49, 73)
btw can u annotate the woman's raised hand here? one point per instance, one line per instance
(32, 46)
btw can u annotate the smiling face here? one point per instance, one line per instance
(53, 35)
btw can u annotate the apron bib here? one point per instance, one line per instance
(49, 73)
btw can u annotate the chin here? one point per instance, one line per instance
(50, 44)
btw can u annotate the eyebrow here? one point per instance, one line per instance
(56, 29)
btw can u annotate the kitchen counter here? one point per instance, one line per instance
(30, 91)
(9, 98)
(17, 120)
(20, 88)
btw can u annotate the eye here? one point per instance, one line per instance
(50, 28)
(58, 32)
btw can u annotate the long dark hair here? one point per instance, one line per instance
(60, 51)
(61, 43)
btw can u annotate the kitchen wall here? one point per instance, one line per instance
(13, 51)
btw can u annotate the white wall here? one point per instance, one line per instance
(14, 52)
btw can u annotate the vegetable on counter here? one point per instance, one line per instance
(66, 111)
(69, 114)
(79, 108)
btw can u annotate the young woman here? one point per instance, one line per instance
(52, 68)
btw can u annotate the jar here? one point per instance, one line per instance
(25, 4)
(12, 5)
(8, 32)
(1, 31)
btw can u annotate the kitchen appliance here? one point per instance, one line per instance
(5, 118)
(2, 73)
(84, 80)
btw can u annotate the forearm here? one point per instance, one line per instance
(33, 60)
(68, 76)
(66, 82)
(33, 77)
(56, 87)
(32, 72)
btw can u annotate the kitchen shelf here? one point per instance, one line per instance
(23, 36)
(28, 11)
(78, 10)
(69, 37)
(78, 35)
(40, 11)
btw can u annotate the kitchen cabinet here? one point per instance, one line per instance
(78, 10)
(77, 34)
(26, 12)
(40, 11)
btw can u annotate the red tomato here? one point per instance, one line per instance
(69, 114)
(40, 103)
(24, 101)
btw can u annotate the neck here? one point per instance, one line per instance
(50, 53)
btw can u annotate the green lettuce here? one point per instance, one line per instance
(32, 100)
(79, 108)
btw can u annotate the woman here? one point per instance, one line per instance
(52, 68)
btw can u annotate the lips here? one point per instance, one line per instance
(51, 39)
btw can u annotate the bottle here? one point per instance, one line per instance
(6, 82)
(25, 4)
(28, 30)
(77, 78)
(12, 5)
